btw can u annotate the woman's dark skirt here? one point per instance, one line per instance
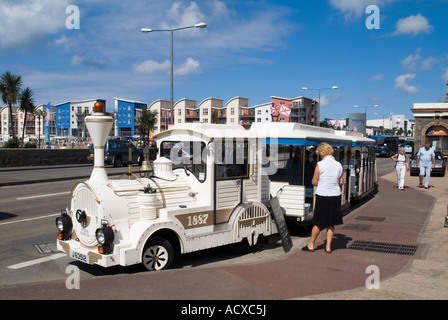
(327, 212)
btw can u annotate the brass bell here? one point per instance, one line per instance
(146, 166)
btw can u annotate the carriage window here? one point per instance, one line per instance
(295, 165)
(186, 155)
(231, 160)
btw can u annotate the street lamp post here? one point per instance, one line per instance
(366, 107)
(201, 25)
(383, 119)
(40, 114)
(318, 108)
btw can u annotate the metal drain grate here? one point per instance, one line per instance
(367, 218)
(356, 226)
(402, 249)
(46, 248)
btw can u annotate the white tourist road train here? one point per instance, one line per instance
(210, 187)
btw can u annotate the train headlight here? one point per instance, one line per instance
(105, 237)
(64, 225)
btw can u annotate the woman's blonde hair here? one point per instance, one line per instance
(400, 149)
(324, 149)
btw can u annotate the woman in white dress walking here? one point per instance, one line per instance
(401, 166)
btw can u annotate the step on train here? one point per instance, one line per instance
(211, 186)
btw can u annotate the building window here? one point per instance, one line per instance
(205, 112)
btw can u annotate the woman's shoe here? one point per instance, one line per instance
(328, 251)
(305, 248)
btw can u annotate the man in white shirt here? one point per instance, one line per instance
(426, 159)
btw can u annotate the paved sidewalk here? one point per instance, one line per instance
(424, 278)
(413, 216)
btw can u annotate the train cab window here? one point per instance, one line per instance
(187, 155)
(231, 159)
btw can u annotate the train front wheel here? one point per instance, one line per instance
(158, 254)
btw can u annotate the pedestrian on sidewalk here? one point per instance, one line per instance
(328, 178)
(426, 160)
(401, 166)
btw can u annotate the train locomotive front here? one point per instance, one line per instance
(147, 220)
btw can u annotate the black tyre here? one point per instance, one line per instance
(118, 162)
(158, 254)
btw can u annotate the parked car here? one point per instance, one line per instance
(438, 170)
(116, 152)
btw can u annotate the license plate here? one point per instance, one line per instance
(79, 256)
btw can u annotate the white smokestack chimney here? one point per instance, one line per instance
(99, 126)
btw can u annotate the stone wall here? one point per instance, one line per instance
(42, 157)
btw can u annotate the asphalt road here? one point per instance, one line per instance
(27, 234)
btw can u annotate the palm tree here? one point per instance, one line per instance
(27, 106)
(214, 118)
(146, 121)
(10, 86)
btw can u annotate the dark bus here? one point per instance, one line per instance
(386, 146)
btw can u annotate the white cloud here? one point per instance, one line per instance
(427, 64)
(150, 66)
(219, 8)
(378, 77)
(413, 25)
(326, 101)
(355, 8)
(444, 76)
(410, 63)
(181, 15)
(374, 100)
(79, 60)
(401, 83)
(189, 66)
(26, 23)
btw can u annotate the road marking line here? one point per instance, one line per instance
(30, 219)
(43, 195)
(36, 261)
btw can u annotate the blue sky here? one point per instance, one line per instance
(254, 49)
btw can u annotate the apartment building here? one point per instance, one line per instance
(126, 114)
(185, 111)
(70, 115)
(163, 109)
(35, 124)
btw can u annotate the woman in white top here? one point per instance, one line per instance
(401, 167)
(328, 178)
